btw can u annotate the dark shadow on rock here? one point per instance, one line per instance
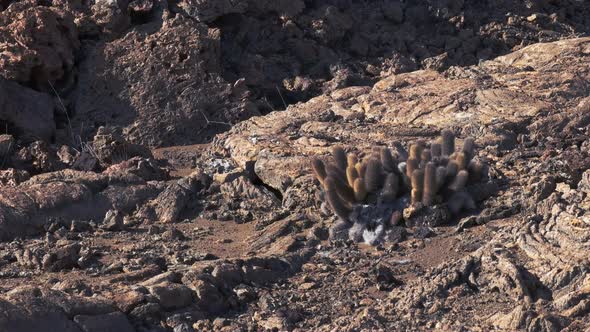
(289, 55)
(161, 86)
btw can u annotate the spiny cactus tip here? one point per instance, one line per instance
(373, 175)
(319, 169)
(339, 157)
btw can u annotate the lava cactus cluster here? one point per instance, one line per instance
(368, 191)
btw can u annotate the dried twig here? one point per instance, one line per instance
(280, 95)
(269, 105)
(65, 111)
(208, 122)
(214, 122)
(6, 155)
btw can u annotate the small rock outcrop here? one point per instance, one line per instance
(26, 113)
(39, 44)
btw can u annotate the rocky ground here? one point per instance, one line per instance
(155, 165)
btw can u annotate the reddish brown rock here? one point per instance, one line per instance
(142, 70)
(39, 44)
(25, 113)
(275, 149)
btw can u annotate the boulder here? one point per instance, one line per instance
(115, 321)
(25, 112)
(29, 309)
(160, 83)
(38, 46)
(172, 296)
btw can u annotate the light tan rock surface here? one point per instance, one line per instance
(519, 262)
(489, 101)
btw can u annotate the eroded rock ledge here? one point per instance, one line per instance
(528, 112)
(493, 102)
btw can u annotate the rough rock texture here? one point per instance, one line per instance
(177, 73)
(25, 113)
(7, 144)
(168, 206)
(115, 321)
(161, 85)
(243, 243)
(12, 177)
(37, 157)
(488, 101)
(290, 45)
(68, 195)
(109, 147)
(549, 279)
(522, 262)
(38, 44)
(47, 310)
